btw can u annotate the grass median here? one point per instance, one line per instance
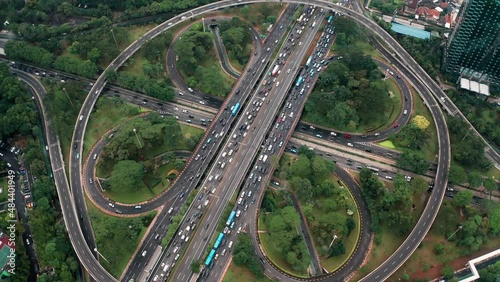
(113, 233)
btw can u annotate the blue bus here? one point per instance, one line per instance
(330, 19)
(308, 63)
(235, 109)
(299, 81)
(231, 218)
(218, 241)
(210, 257)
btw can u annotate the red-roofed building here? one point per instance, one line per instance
(434, 14)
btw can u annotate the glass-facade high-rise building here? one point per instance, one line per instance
(473, 48)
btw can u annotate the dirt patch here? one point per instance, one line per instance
(173, 171)
(20, 142)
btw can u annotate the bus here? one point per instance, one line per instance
(218, 241)
(231, 218)
(300, 18)
(210, 257)
(275, 70)
(235, 109)
(299, 81)
(308, 63)
(372, 169)
(330, 19)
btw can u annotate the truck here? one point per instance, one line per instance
(275, 70)
(264, 159)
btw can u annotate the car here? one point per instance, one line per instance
(347, 135)
(202, 102)
(396, 125)
(350, 145)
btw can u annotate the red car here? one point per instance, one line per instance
(396, 125)
(308, 79)
(347, 136)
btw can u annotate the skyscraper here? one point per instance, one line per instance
(473, 46)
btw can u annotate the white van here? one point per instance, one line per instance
(230, 244)
(95, 156)
(238, 213)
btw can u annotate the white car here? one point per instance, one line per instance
(202, 102)
(350, 145)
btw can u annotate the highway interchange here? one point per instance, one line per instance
(418, 79)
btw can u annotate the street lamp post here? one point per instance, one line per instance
(135, 131)
(114, 38)
(333, 240)
(95, 249)
(71, 102)
(459, 228)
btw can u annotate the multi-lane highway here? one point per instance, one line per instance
(415, 74)
(208, 147)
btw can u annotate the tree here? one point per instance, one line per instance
(126, 176)
(475, 179)
(438, 249)
(419, 185)
(195, 266)
(457, 175)
(494, 221)
(412, 161)
(463, 198)
(301, 167)
(421, 122)
(490, 184)
(447, 271)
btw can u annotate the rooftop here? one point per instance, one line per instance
(408, 30)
